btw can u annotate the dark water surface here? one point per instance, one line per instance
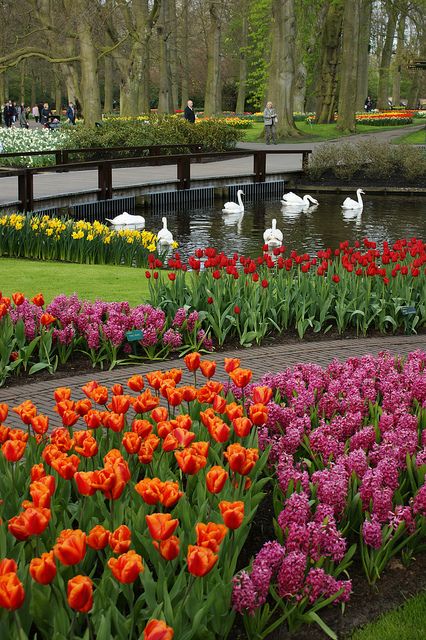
(382, 218)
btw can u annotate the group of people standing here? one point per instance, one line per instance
(18, 114)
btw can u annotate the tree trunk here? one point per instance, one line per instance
(33, 97)
(173, 58)
(131, 79)
(242, 82)
(184, 57)
(58, 90)
(3, 95)
(165, 99)
(90, 94)
(144, 95)
(108, 85)
(383, 89)
(349, 67)
(213, 97)
(282, 69)
(300, 88)
(396, 86)
(329, 59)
(22, 83)
(363, 53)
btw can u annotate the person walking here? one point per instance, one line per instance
(270, 120)
(8, 112)
(71, 114)
(36, 113)
(45, 114)
(189, 114)
(368, 104)
(22, 116)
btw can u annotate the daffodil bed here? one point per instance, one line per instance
(130, 511)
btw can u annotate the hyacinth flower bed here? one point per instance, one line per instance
(41, 237)
(359, 288)
(35, 336)
(130, 511)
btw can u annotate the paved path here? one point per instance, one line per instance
(55, 184)
(261, 360)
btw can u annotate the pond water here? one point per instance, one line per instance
(382, 218)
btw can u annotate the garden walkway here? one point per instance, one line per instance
(261, 360)
(55, 184)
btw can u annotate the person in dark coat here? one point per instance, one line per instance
(71, 113)
(189, 114)
(8, 113)
(368, 104)
(45, 114)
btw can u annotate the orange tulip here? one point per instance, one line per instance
(159, 414)
(155, 378)
(136, 383)
(215, 479)
(4, 410)
(4, 433)
(62, 393)
(210, 535)
(145, 402)
(157, 630)
(149, 490)
(148, 446)
(192, 361)
(164, 428)
(88, 447)
(12, 594)
(208, 368)
(170, 494)
(189, 393)
(119, 404)
(82, 407)
(142, 427)
(37, 472)
(89, 387)
(38, 300)
(231, 364)
(206, 395)
(40, 424)
(169, 548)
(161, 525)
(66, 466)
(131, 442)
(182, 421)
(61, 438)
(190, 461)
(201, 448)
(93, 419)
(261, 394)
(98, 537)
(32, 522)
(200, 560)
(47, 319)
(80, 593)
(7, 565)
(219, 431)
(26, 410)
(84, 481)
(242, 426)
(120, 539)
(241, 377)
(70, 547)
(99, 394)
(219, 404)
(232, 513)
(117, 389)
(18, 298)
(43, 569)
(178, 438)
(173, 374)
(240, 459)
(13, 450)
(116, 421)
(174, 396)
(126, 567)
(40, 494)
(258, 414)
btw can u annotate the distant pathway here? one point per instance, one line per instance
(269, 359)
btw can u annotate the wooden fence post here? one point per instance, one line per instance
(184, 172)
(259, 166)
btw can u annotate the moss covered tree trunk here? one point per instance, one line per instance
(108, 85)
(363, 53)
(349, 66)
(90, 93)
(282, 69)
(242, 72)
(396, 84)
(213, 93)
(385, 60)
(328, 65)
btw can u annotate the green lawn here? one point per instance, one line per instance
(88, 281)
(416, 137)
(405, 623)
(313, 132)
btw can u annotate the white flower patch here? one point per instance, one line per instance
(14, 140)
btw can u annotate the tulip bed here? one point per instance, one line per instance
(133, 524)
(41, 237)
(246, 299)
(386, 118)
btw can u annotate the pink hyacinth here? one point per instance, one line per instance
(372, 533)
(291, 575)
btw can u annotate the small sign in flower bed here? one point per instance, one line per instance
(129, 513)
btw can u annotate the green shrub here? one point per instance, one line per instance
(367, 158)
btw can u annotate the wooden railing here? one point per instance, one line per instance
(104, 169)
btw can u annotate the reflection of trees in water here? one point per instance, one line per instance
(383, 218)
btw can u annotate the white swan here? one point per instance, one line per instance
(273, 237)
(349, 203)
(291, 199)
(164, 236)
(233, 207)
(127, 221)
